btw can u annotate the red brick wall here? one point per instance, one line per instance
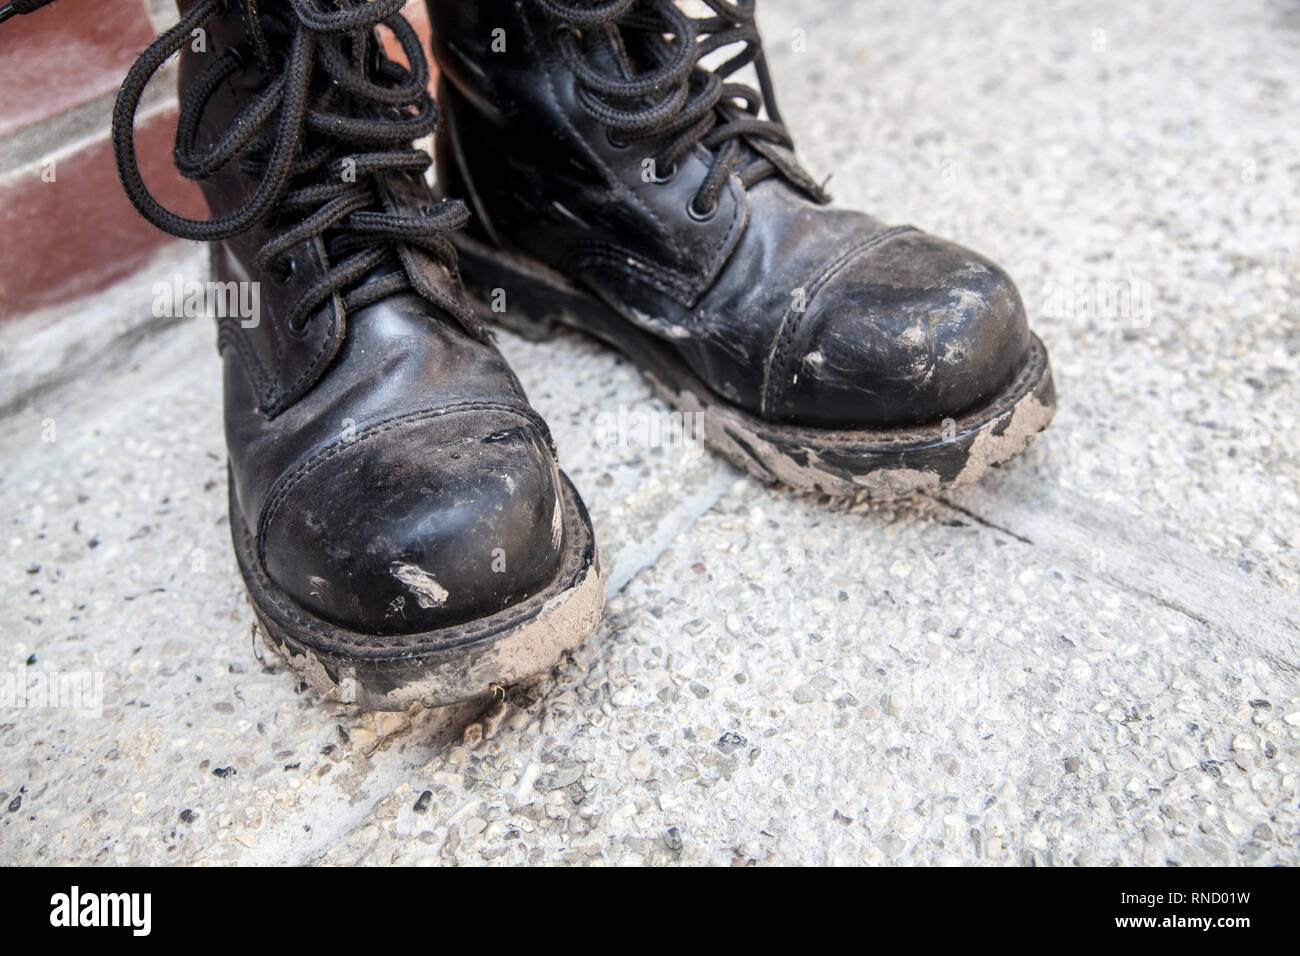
(66, 229)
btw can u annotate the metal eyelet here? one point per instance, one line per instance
(298, 331)
(284, 268)
(611, 136)
(699, 216)
(666, 178)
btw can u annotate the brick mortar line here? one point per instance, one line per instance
(23, 150)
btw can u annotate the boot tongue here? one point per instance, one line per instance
(607, 53)
(250, 12)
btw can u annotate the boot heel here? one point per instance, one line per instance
(521, 296)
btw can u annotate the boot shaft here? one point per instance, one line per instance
(520, 144)
(300, 132)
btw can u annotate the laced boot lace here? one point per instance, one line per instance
(334, 117)
(673, 97)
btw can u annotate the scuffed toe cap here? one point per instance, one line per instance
(421, 525)
(909, 331)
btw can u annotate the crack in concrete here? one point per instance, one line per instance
(980, 520)
(1261, 621)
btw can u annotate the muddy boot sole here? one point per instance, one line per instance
(837, 462)
(440, 667)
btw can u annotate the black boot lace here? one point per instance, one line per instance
(676, 97)
(334, 118)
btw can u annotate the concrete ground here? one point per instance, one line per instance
(1093, 657)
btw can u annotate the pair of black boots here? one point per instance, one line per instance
(397, 510)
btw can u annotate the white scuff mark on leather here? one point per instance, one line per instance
(569, 214)
(913, 337)
(954, 353)
(510, 484)
(428, 592)
(973, 269)
(815, 359)
(967, 299)
(557, 524)
(661, 326)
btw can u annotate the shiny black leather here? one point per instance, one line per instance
(388, 462)
(793, 311)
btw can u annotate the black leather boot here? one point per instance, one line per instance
(621, 188)
(397, 512)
